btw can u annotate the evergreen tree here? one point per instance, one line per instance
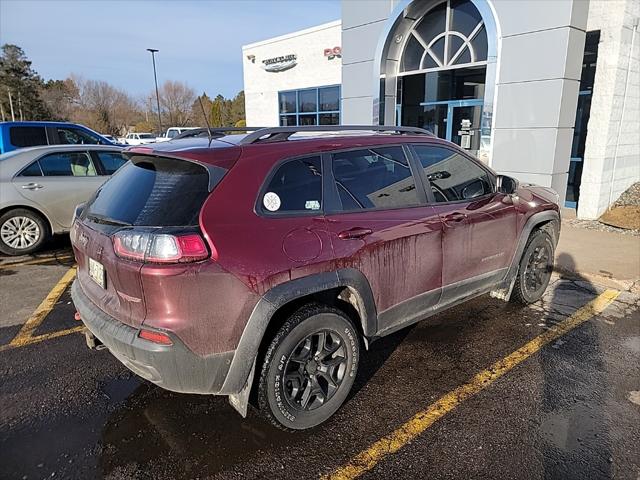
(237, 108)
(218, 115)
(22, 84)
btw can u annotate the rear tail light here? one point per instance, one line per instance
(155, 337)
(159, 247)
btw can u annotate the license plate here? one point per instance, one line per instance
(96, 272)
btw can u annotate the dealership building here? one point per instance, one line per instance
(545, 91)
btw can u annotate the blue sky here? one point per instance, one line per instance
(199, 41)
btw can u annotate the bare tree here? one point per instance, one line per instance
(104, 107)
(176, 100)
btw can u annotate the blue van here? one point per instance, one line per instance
(14, 135)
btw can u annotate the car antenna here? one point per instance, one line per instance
(206, 120)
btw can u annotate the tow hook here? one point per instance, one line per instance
(92, 342)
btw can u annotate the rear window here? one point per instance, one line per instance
(149, 191)
(27, 136)
(111, 161)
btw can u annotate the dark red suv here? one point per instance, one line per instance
(202, 262)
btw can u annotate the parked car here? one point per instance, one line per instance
(202, 263)
(14, 135)
(173, 132)
(111, 138)
(139, 138)
(40, 187)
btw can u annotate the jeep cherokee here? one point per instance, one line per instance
(283, 253)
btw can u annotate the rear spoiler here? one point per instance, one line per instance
(139, 154)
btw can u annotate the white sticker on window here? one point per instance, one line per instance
(312, 205)
(271, 201)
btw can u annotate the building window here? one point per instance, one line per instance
(310, 106)
(451, 34)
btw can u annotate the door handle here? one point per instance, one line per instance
(354, 233)
(456, 217)
(32, 186)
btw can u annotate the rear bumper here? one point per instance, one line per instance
(173, 367)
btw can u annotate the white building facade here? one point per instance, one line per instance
(545, 91)
(294, 79)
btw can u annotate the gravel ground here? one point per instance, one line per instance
(630, 197)
(596, 225)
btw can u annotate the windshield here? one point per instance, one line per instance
(145, 135)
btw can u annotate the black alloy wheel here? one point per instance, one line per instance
(308, 368)
(315, 370)
(536, 266)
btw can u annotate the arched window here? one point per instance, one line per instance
(450, 35)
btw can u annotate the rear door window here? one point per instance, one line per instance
(27, 136)
(149, 191)
(296, 186)
(374, 178)
(67, 164)
(75, 136)
(111, 161)
(32, 170)
(452, 176)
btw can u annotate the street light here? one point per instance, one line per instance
(155, 76)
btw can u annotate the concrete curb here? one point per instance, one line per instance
(632, 286)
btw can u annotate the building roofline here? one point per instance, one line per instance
(297, 33)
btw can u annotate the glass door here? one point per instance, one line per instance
(465, 127)
(458, 121)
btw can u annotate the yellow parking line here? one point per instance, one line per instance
(393, 442)
(37, 261)
(25, 335)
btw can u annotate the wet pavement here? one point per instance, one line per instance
(571, 410)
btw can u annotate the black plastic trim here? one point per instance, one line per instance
(533, 221)
(279, 296)
(174, 367)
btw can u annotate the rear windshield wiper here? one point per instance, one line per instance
(107, 220)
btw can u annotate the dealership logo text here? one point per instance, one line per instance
(279, 64)
(332, 53)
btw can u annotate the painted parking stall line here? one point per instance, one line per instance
(25, 335)
(389, 444)
(39, 261)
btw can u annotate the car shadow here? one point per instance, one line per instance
(573, 419)
(152, 427)
(58, 247)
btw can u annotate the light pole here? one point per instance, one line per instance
(155, 76)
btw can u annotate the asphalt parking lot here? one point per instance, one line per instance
(485, 390)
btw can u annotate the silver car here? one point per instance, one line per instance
(40, 187)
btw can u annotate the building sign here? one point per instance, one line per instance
(280, 64)
(332, 53)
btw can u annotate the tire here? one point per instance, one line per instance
(293, 369)
(534, 271)
(31, 228)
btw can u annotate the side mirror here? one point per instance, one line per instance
(507, 185)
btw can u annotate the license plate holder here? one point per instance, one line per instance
(96, 272)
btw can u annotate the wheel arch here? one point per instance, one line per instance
(347, 289)
(548, 219)
(35, 210)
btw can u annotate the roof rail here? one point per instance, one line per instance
(279, 134)
(215, 132)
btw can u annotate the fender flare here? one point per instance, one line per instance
(535, 220)
(243, 362)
